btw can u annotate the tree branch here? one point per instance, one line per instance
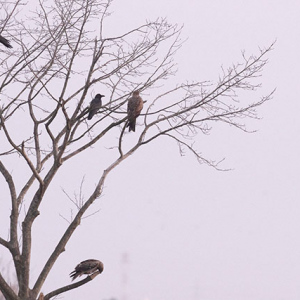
(71, 286)
(7, 290)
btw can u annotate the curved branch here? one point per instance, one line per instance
(21, 150)
(120, 139)
(14, 213)
(71, 286)
(93, 141)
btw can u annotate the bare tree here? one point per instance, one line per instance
(58, 59)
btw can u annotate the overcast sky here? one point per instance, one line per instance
(171, 229)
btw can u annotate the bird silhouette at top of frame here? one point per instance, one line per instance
(5, 42)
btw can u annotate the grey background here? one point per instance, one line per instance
(169, 228)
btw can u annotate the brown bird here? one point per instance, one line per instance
(134, 108)
(5, 42)
(89, 267)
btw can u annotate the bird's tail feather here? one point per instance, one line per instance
(131, 125)
(73, 275)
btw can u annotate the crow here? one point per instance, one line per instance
(95, 105)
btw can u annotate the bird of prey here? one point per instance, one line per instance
(88, 267)
(95, 105)
(134, 108)
(5, 42)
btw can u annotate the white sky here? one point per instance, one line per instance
(191, 232)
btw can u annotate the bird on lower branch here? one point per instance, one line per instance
(88, 267)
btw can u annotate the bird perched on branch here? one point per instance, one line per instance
(95, 105)
(88, 267)
(134, 108)
(5, 42)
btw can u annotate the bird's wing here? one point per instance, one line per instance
(96, 103)
(133, 105)
(139, 106)
(130, 105)
(87, 266)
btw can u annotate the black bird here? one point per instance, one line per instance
(95, 105)
(134, 108)
(5, 42)
(88, 267)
